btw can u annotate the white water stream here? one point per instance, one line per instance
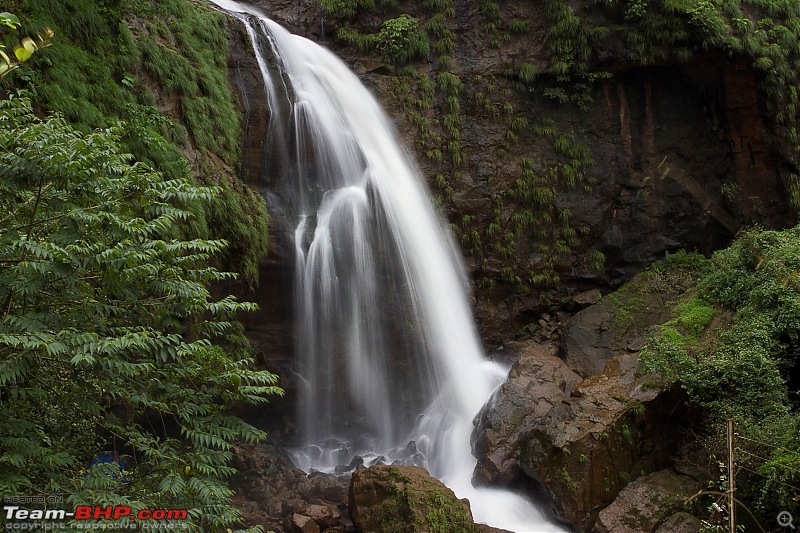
(392, 364)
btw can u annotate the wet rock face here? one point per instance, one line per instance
(537, 386)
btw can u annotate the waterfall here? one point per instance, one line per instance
(392, 365)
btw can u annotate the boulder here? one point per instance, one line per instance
(589, 297)
(680, 523)
(272, 492)
(581, 442)
(537, 383)
(620, 322)
(406, 499)
(616, 427)
(325, 516)
(650, 504)
(303, 524)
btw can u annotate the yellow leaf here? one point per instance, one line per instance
(23, 54)
(5, 58)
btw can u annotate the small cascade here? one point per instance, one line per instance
(392, 366)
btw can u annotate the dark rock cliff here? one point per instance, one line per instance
(680, 154)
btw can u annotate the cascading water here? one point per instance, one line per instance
(391, 361)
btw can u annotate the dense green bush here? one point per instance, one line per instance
(742, 368)
(110, 342)
(401, 40)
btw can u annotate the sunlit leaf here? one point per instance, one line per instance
(22, 53)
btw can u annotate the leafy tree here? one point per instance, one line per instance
(110, 343)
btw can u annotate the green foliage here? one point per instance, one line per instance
(24, 50)
(694, 315)
(759, 273)
(494, 26)
(741, 367)
(567, 40)
(527, 73)
(128, 59)
(519, 26)
(682, 259)
(9, 20)
(401, 40)
(96, 70)
(442, 515)
(110, 342)
(243, 214)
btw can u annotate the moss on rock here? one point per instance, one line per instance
(400, 499)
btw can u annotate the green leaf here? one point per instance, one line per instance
(9, 20)
(23, 53)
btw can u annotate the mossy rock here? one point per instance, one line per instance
(406, 499)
